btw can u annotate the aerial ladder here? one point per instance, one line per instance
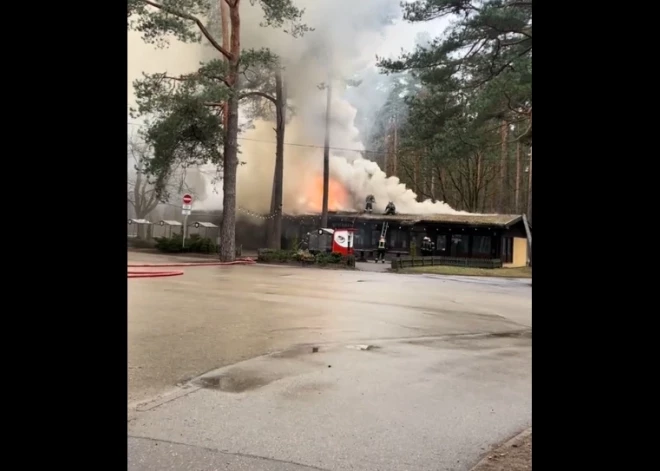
(383, 231)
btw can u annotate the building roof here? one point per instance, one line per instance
(170, 223)
(204, 224)
(502, 220)
(499, 220)
(138, 221)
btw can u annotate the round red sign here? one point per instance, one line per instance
(187, 199)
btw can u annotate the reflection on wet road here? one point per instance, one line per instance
(181, 327)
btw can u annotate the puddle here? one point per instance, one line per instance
(475, 342)
(234, 382)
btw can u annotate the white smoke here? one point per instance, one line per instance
(363, 177)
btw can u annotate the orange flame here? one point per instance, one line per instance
(338, 198)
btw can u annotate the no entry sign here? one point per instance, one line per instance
(187, 199)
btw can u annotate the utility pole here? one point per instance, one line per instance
(395, 152)
(326, 155)
(529, 188)
(517, 187)
(225, 26)
(529, 210)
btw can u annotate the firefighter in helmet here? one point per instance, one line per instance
(369, 204)
(381, 250)
(390, 208)
(427, 247)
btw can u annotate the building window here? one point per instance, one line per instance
(481, 246)
(358, 241)
(460, 245)
(507, 250)
(441, 244)
(375, 235)
(397, 239)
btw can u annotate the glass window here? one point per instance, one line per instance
(359, 240)
(460, 245)
(375, 235)
(481, 246)
(441, 243)
(507, 250)
(394, 239)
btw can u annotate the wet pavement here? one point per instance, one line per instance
(451, 374)
(373, 266)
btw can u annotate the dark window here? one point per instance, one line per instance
(396, 239)
(507, 250)
(481, 246)
(375, 235)
(441, 244)
(358, 241)
(460, 245)
(416, 239)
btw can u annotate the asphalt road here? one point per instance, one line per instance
(451, 374)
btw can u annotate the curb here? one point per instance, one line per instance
(516, 438)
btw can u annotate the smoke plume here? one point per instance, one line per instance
(347, 36)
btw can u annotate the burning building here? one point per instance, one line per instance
(488, 240)
(497, 240)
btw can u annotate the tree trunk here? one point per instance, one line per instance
(517, 187)
(416, 175)
(230, 167)
(137, 196)
(326, 157)
(477, 181)
(278, 175)
(432, 177)
(441, 180)
(502, 204)
(224, 17)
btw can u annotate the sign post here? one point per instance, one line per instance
(185, 210)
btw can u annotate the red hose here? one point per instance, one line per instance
(240, 261)
(156, 274)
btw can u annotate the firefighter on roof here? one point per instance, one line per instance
(368, 207)
(390, 208)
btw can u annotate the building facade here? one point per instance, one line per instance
(500, 236)
(493, 237)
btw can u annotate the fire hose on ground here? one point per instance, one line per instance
(158, 274)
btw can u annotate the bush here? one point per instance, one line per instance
(323, 259)
(304, 256)
(275, 256)
(140, 243)
(194, 244)
(294, 244)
